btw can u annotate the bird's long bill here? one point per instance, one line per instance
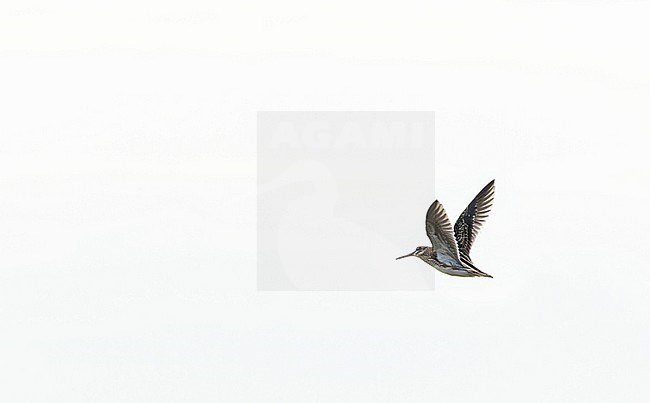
(402, 257)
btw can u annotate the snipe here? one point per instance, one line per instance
(450, 248)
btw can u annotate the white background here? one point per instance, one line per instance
(127, 226)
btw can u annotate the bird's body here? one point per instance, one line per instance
(450, 248)
(443, 264)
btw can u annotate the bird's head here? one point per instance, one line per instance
(419, 251)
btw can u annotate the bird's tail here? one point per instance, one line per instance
(474, 269)
(482, 274)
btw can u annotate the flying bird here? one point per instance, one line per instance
(450, 248)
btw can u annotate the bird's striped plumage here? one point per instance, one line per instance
(439, 230)
(450, 248)
(471, 219)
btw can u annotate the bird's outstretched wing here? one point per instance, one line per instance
(440, 232)
(471, 220)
